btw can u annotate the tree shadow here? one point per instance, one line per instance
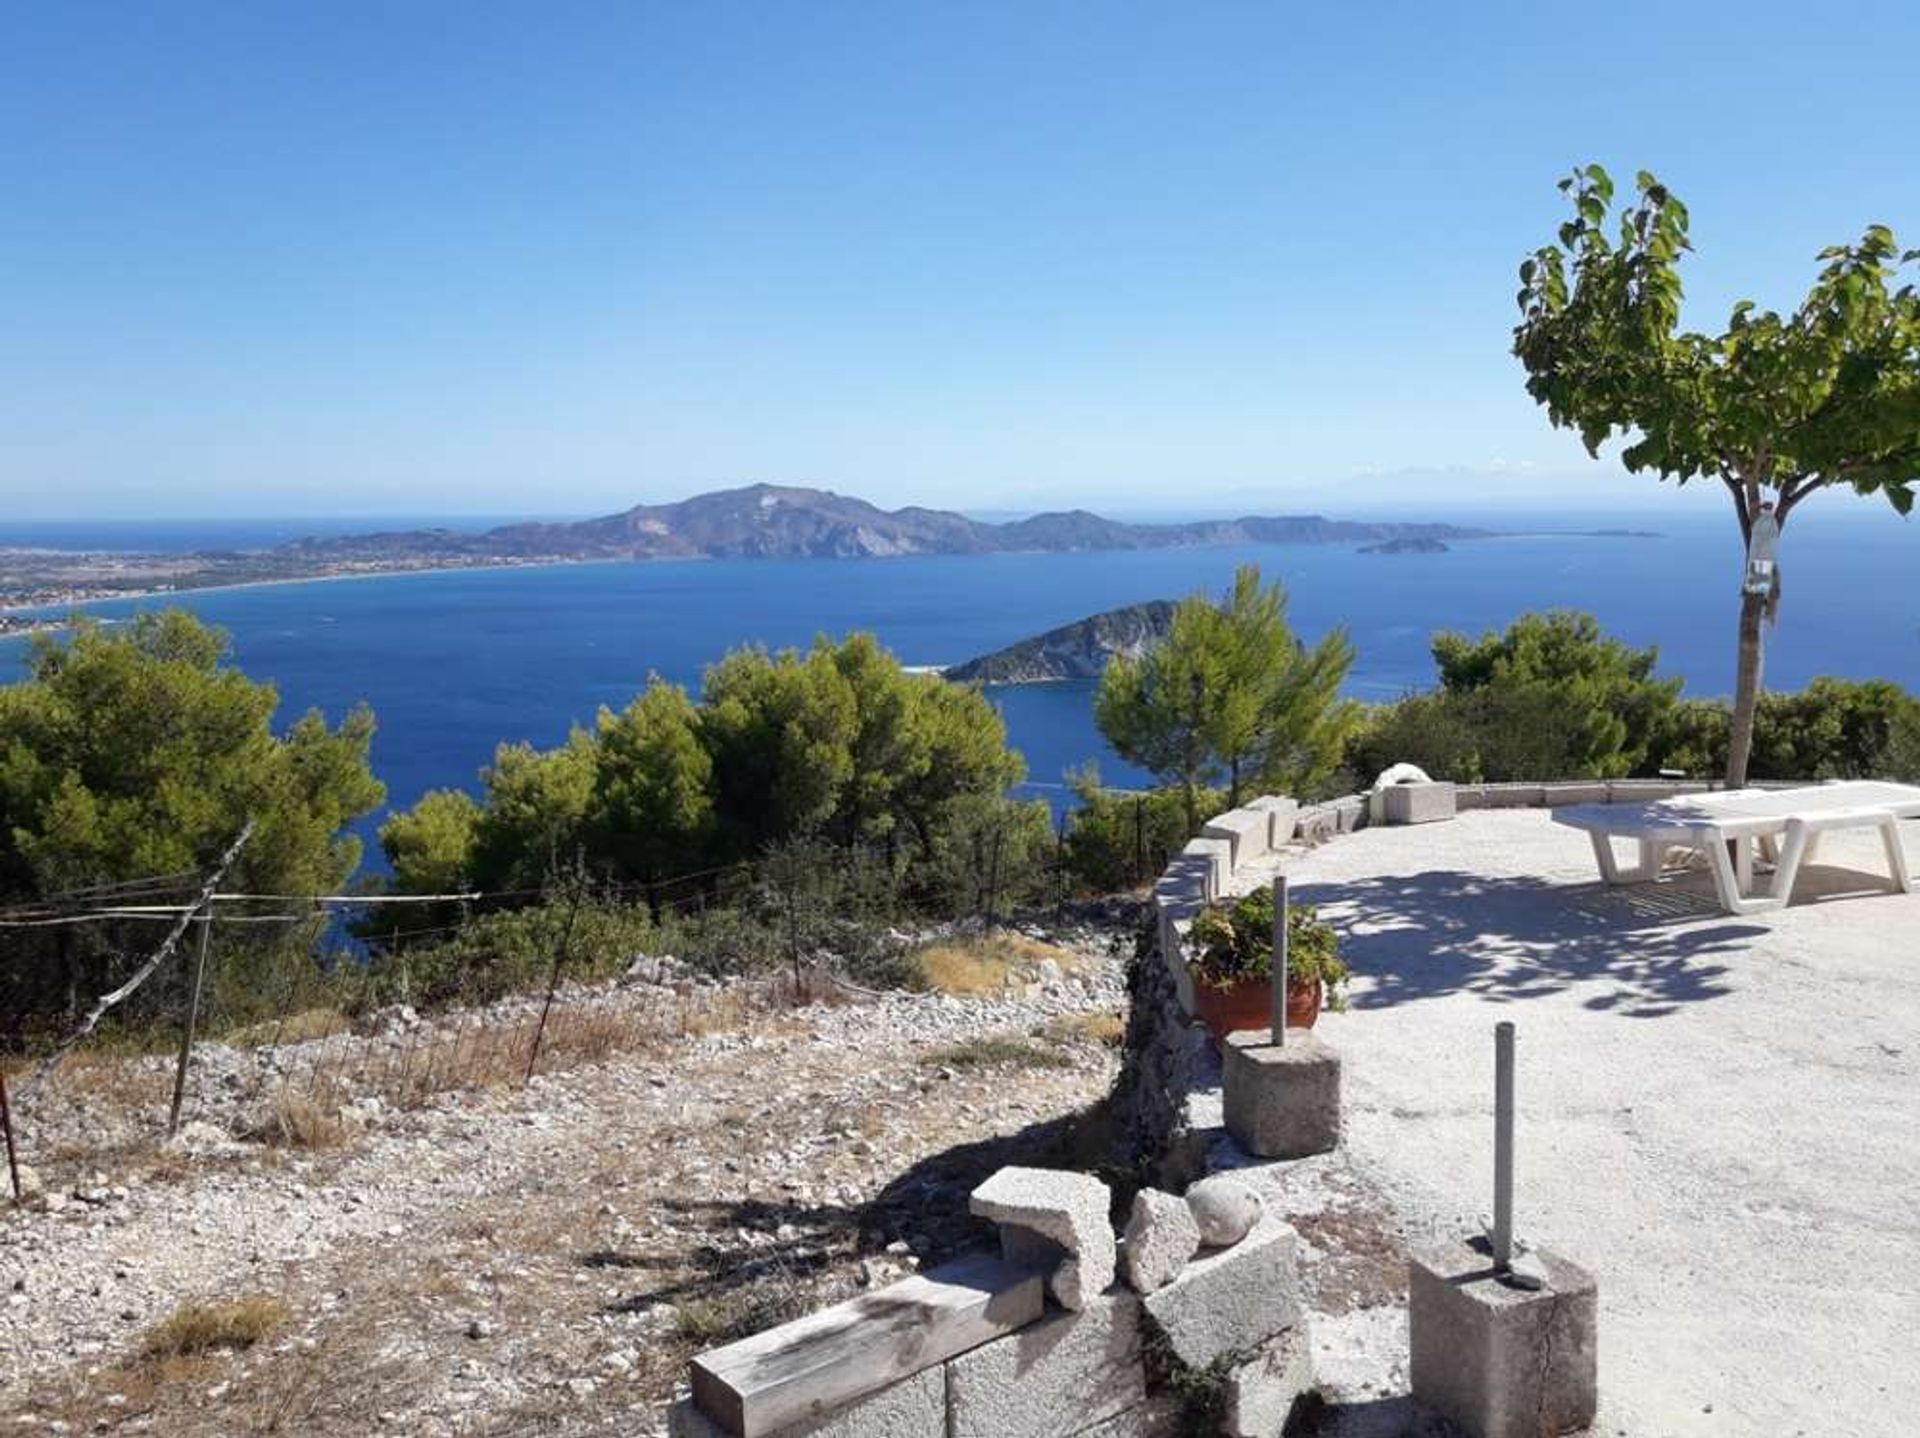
(924, 1206)
(1509, 938)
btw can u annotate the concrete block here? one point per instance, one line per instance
(1184, 880)
(1585, 792)
(1282, 1101)
(1282, 813)
(1350, 813)
(1512, 796)
(1316, 823)
(1063, 1373)
(1249, 831)
(1161, 1416)
(1161, 1236)
(1261, 1393)
(913, 1408)
(1173, 950)
(1218, 854)
(1640, 791)
(1469, 796)
(1416, 803)
(1498, 1360)
(1224, 1209)
(1068, 1209)
(1231, 1301)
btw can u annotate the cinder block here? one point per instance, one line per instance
(1232, 1300)
(1261, 1393)
(1317, 823)
(1586, 792)
(1498, 1360)
(916, 1407)
(1064, 1208)
(1416, 803)
(1218, 855)
(1640, 791)
(1173, 951)
(1282, 813)
(1249, 831)
(1512, 796)
(1065, 1372)
(1282, 1101)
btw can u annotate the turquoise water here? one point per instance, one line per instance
(455, 662)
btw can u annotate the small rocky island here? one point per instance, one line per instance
(1073, 651)
(1415, 545)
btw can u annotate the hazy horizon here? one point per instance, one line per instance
(360, 260)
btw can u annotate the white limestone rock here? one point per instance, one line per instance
(1224, 1209)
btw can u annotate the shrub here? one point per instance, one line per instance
(204, 1327)
(1117, 840)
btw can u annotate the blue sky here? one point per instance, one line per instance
(267, 259)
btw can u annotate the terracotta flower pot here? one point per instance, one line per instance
(1249, 1005)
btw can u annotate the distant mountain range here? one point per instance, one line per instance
(766, 521)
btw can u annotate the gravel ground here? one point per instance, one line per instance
(1720, 1116)
(543, 1259)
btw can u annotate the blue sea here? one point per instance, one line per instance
(455, 662)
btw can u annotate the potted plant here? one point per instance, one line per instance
(1232, 965)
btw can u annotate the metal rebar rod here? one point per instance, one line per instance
(1279, 966)
(1503, 1145)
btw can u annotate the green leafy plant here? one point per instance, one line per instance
(1235, 946)
(1777, 408)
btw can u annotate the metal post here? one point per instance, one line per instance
(1503, 1145)
(1280, 959)
(6, 1129)
(193, 1016)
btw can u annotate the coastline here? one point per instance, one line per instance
(452, 565)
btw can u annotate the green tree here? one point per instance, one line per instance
(1777, 409)
(1230, 695)
(779, 730)
(534, 820)
(652, 806)
(1558, 675)
(140, 751)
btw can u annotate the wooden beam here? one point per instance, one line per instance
(805, 1368)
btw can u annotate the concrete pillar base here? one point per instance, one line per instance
(1498, 1360)
(1282, 1101)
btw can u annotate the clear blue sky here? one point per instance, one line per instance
(264, 258)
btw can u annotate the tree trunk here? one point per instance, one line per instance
(1746, 690)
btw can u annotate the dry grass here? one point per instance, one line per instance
(208, 1327)
(1109, 1030)
(991, 963)
(298, 1120)
(296, 1028)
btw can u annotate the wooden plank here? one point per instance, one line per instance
(803, 1369)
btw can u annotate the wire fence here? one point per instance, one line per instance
(225, 1015)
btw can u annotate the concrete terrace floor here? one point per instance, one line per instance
(1719, 1116)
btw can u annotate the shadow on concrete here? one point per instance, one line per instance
(1653, 947)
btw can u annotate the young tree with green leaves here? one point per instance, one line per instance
(1776, 408)
(1230, 695)
(651, 814)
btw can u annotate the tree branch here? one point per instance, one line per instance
(1740, 509)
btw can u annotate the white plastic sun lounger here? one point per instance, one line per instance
(1783, 823)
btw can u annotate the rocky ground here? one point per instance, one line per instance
(501, 1259)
